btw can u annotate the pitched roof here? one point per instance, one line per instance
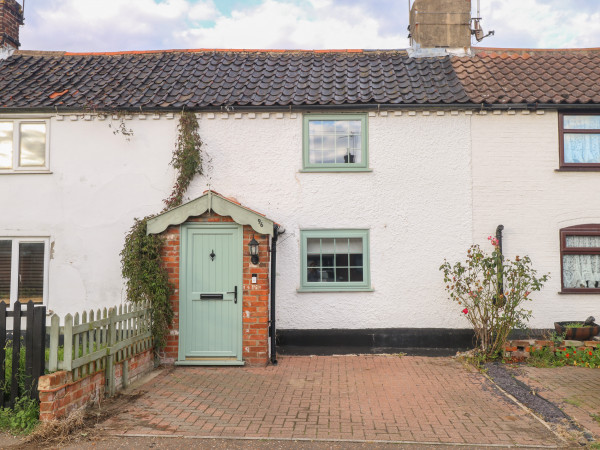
(531, 76)
(197, 79)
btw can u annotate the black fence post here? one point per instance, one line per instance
(2, 352)
(29, 348)
(38, 333)
(16, 353)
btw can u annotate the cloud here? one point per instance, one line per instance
(112, 25)
(309, 25)
(542, 23)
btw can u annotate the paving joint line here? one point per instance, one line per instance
(526, 409)
(360, 441)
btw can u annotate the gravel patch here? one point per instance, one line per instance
(525, 394)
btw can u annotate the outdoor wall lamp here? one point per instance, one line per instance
(253, 248)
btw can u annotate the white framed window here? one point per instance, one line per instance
(24, 269)
(24, 145)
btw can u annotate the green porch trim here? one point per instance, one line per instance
(209, 363)
(211, 201)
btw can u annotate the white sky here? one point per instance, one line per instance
(113, 25)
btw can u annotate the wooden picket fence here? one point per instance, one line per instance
(98, 340)
(33, 336)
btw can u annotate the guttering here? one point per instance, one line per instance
(307, 108)
(272, 328)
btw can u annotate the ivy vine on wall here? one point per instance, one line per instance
(146, 278)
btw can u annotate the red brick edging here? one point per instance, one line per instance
(59, 394)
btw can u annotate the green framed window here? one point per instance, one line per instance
(334, 260)
(335, 142)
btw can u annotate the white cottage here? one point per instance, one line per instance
(367, 169)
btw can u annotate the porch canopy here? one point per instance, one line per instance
(211, 201)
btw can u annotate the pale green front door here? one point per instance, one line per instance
(211, 294)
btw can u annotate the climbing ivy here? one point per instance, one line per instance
(146, 278)
(187, 158)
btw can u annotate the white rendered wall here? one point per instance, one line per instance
(439, 183)
(416, 203)
(515, 183)
(99, 183)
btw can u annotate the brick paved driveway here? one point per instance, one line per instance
(386, 398)
(576, 390)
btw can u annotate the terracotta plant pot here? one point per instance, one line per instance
(578, 334)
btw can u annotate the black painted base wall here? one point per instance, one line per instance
(413, 341)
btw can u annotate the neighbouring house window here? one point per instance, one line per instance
(335, 260)
(23, 269)
(335, 142)
(580, 141)
(580, 255)
(23, 146)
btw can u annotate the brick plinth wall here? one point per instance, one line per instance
(255, 306)
(11, 17)
(59, 394)
(520, 350)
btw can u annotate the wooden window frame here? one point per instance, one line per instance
(363, 166)
(348, 286)
(16, 167)
(575, 167)
(577, 230)
(14, 284)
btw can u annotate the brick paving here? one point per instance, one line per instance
(576, 390)
(386, 398)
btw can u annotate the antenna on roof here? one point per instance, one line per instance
(476, 29)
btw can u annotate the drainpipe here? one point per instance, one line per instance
(499, 229)
(272, 329)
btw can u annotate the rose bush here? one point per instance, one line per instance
(492, 290)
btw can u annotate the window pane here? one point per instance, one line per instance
(356, 245)
(356, 259)
(582, 122)
(341, 275)
(356, 274)
(31, 272)
(5, 267)
(340, 141)
(581, 271)
(327, 245)
(327, 259)
(583, 241)
(313, 245)
(327, 275)
(582, 148)
(6, 145)
(33, 144)
(341, 260)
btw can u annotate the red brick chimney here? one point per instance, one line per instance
(11, 17)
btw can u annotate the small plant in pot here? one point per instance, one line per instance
(579, 331)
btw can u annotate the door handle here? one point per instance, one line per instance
(234, 292)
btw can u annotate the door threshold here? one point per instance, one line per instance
(209, 362)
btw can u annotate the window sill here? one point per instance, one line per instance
(336, 170)
(340, 289)
(27, 172)
(578, 169)
(584, 292)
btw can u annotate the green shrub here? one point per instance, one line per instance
(492, 291)
(544, 357)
